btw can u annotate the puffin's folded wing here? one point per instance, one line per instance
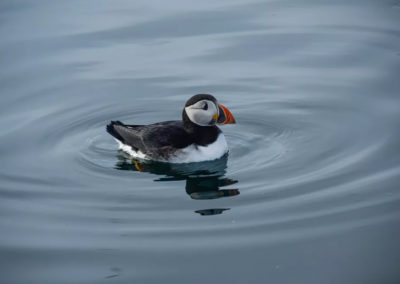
(129, 135)
(165, 134)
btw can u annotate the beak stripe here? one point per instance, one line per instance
(225, 116)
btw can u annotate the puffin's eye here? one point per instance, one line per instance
(205, 107)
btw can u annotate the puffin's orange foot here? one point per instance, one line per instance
(138, 166)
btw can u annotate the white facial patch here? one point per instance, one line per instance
(202, 112)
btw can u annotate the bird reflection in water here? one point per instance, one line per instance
(203, 180)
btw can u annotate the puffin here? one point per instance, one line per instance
(195, 138)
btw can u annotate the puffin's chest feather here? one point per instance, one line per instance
(196, 153)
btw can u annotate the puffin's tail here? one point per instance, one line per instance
(111, 129)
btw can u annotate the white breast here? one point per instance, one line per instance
(195, 153)
(190, 154)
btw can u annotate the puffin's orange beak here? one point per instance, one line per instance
(225, 116)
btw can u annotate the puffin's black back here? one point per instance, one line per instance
(145, 137)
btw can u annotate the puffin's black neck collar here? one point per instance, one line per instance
(201, 135)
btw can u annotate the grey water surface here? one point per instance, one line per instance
(310, 190)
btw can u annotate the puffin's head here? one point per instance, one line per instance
(204, 110)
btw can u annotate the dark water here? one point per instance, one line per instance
(308, 194)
